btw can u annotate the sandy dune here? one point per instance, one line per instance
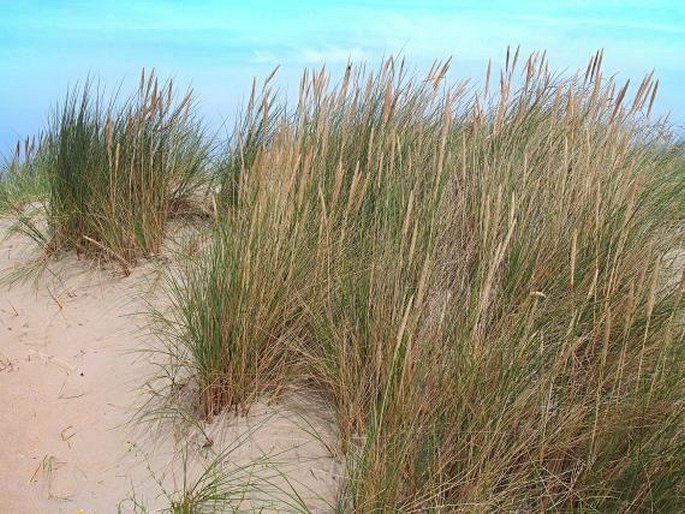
(71, 376)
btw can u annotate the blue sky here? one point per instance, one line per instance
(219, 46)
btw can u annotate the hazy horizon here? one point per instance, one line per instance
(218, 47)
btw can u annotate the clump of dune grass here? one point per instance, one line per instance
(481, 283)
(23, 177)
(235, 362)
(118, 169)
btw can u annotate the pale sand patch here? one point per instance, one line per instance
(70, 379)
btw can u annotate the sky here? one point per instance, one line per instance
(217, 47)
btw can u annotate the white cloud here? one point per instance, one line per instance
(330, 55)
(262, 57)
(308, 55)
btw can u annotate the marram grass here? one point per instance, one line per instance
(23, 177)
(485, 285)
(115, 170)
(481, 283)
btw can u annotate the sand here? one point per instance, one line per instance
(72, 376)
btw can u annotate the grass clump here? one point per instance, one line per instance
(482, 283)
(117, 171)
(23, 177)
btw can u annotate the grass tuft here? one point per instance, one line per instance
(117, 170)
